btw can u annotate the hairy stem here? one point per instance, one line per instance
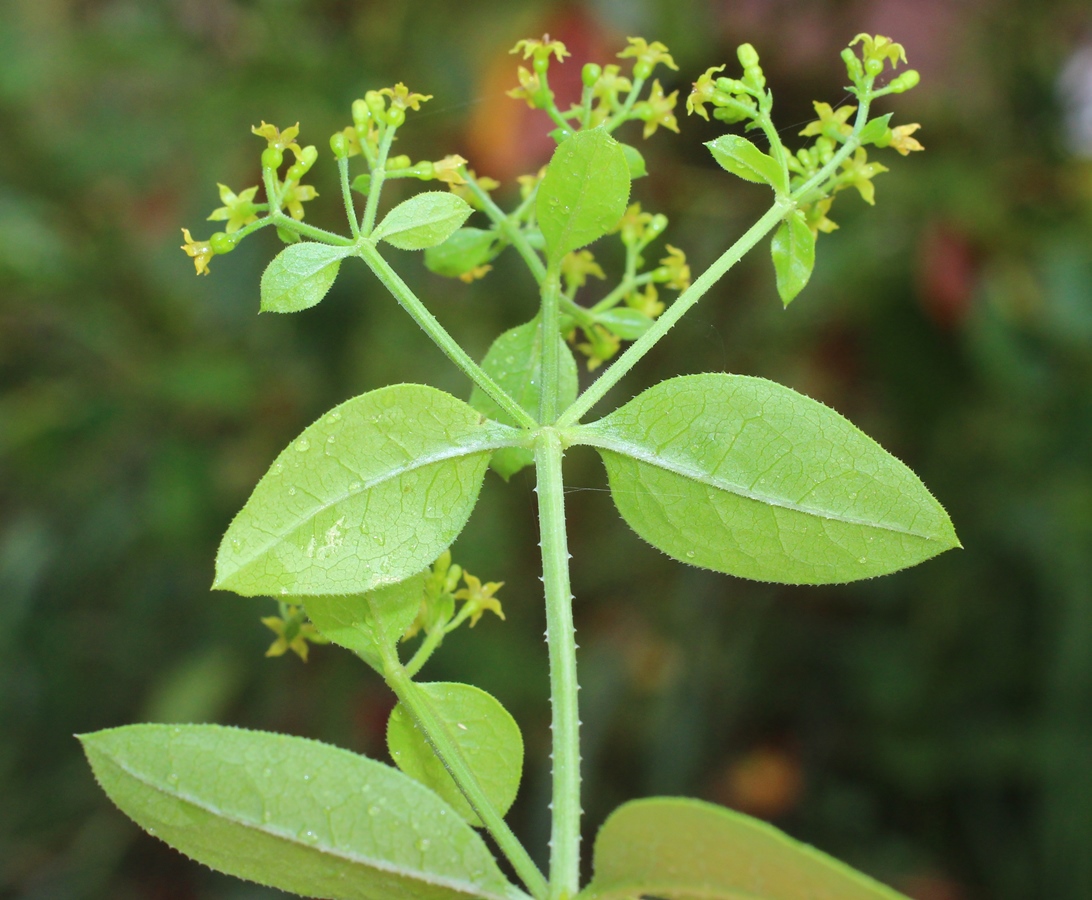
(561, 637)
(551, 350)
(347, 195)
(379, 173)
(432, 327)
(414, 700)
(509, 229)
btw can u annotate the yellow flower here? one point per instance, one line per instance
(238, 209)
(282, 140)
(529, 87)
(815, 214)
(200, 251)
(860, 172)
(657, 110)
(880, 47)
(527, 183)
(633, 223)
(831, 122)
(292, 634)
(601, 346)
(646, 302)
(295, 195)
(486, 183)
(402, 98)
(677, 270)
(702, 93)
(901, 140)
(476, 273)
(648, 53)
(541, 49)
(577, 266)
(479, 597)
(447, 169)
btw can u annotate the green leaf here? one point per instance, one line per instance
(682, 849)
(466, 249)
(486, 735)
(368, 495)
(299, 276)
(875, 129)
(365, 623)
(424, 220)
(515, 363)
(793, 252)
(584, 192)
(628, 324)
(635, 161)
(743, 159)
(362, 183)
(747, 477)
(292, 813)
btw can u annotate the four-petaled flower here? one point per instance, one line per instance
(831, 122)
(605, 92)
(676, 271)
(295, 195)
(646, 302)
(200, 251)
(859, 173)
(541, 49)
(880, 48)
(902, 141)
(815, 214)
(577, 266)
(479, 597)
(530, 87)
(657, 110)
(238, 209)
(402, 98)
(292, 634)
(281, 140)
(704, 89)
(447, 169)
(648, 53)
(633, 223)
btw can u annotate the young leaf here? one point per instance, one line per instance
(584, 192)
(747, 477)
(635, 161)
(628, 324)
(465, 250)
(743, 159)
(292, 813)
(875, 129)
(682, 849)
(424, 220)
(486, 735)
(364, 623)
(793, 251)
(368, 495)
(299, 276)
(515, 362)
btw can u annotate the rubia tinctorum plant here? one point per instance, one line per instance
(349, 530)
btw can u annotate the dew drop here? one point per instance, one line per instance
(862, 560)
(151, 831)
(330, 439)
(379, 539)
(284, 591)
(373, 810)
(303, 444)
(423, 844)
(309, 836)
(172, 778)
(291, 492)
(355, 486)
(690, 554)
(236, 543)
(278, 468)
(306, 776)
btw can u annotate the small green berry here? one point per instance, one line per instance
(395, 116)
(222, 243)
(541, 64)
(873, 67)
(272, 158)
(590, 74)
(642, 69)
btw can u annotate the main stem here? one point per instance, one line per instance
(561, 638)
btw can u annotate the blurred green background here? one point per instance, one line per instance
(933, 727)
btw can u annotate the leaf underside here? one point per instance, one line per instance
(747, 477)
(681, 849)
(292, 813)
(368, 495)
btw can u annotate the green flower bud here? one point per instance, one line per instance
(339, 145)
(873, 67)
(308, 156)
(222, 243)
(361, 113)
(398, 162)
(395, 116)
(424, 170)
(590, 74)
(754, 77)
(853, 65)
(295, 172)
(642, 69)
(747, 55)
(907, 80)
(272, 158)
(656, 227)
(375, 102)
(729, 85)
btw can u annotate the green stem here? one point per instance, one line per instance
(414, 700)
(851, 144)
(509, 229)
(551, 350)
(439, 334)
(561, 637)
(619, 117)
(379, 173)
(616, 296)
(273, 195)
(433, 640)
(347, 196)
(676, 311)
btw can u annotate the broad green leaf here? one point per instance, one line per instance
(875, 129)
(292, 813)
(743, 159)
(747, 477)
(424, 220)
(635, 161)
(299, 276)
(793, 252)
(364, 623)
(486, 735)
(584, 192)
(628, 324)
(466, 249)
(515, 362)
(682, 849)
(368, 495)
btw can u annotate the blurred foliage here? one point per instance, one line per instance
(931, 727)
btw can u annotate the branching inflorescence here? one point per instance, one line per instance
(350, 529)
